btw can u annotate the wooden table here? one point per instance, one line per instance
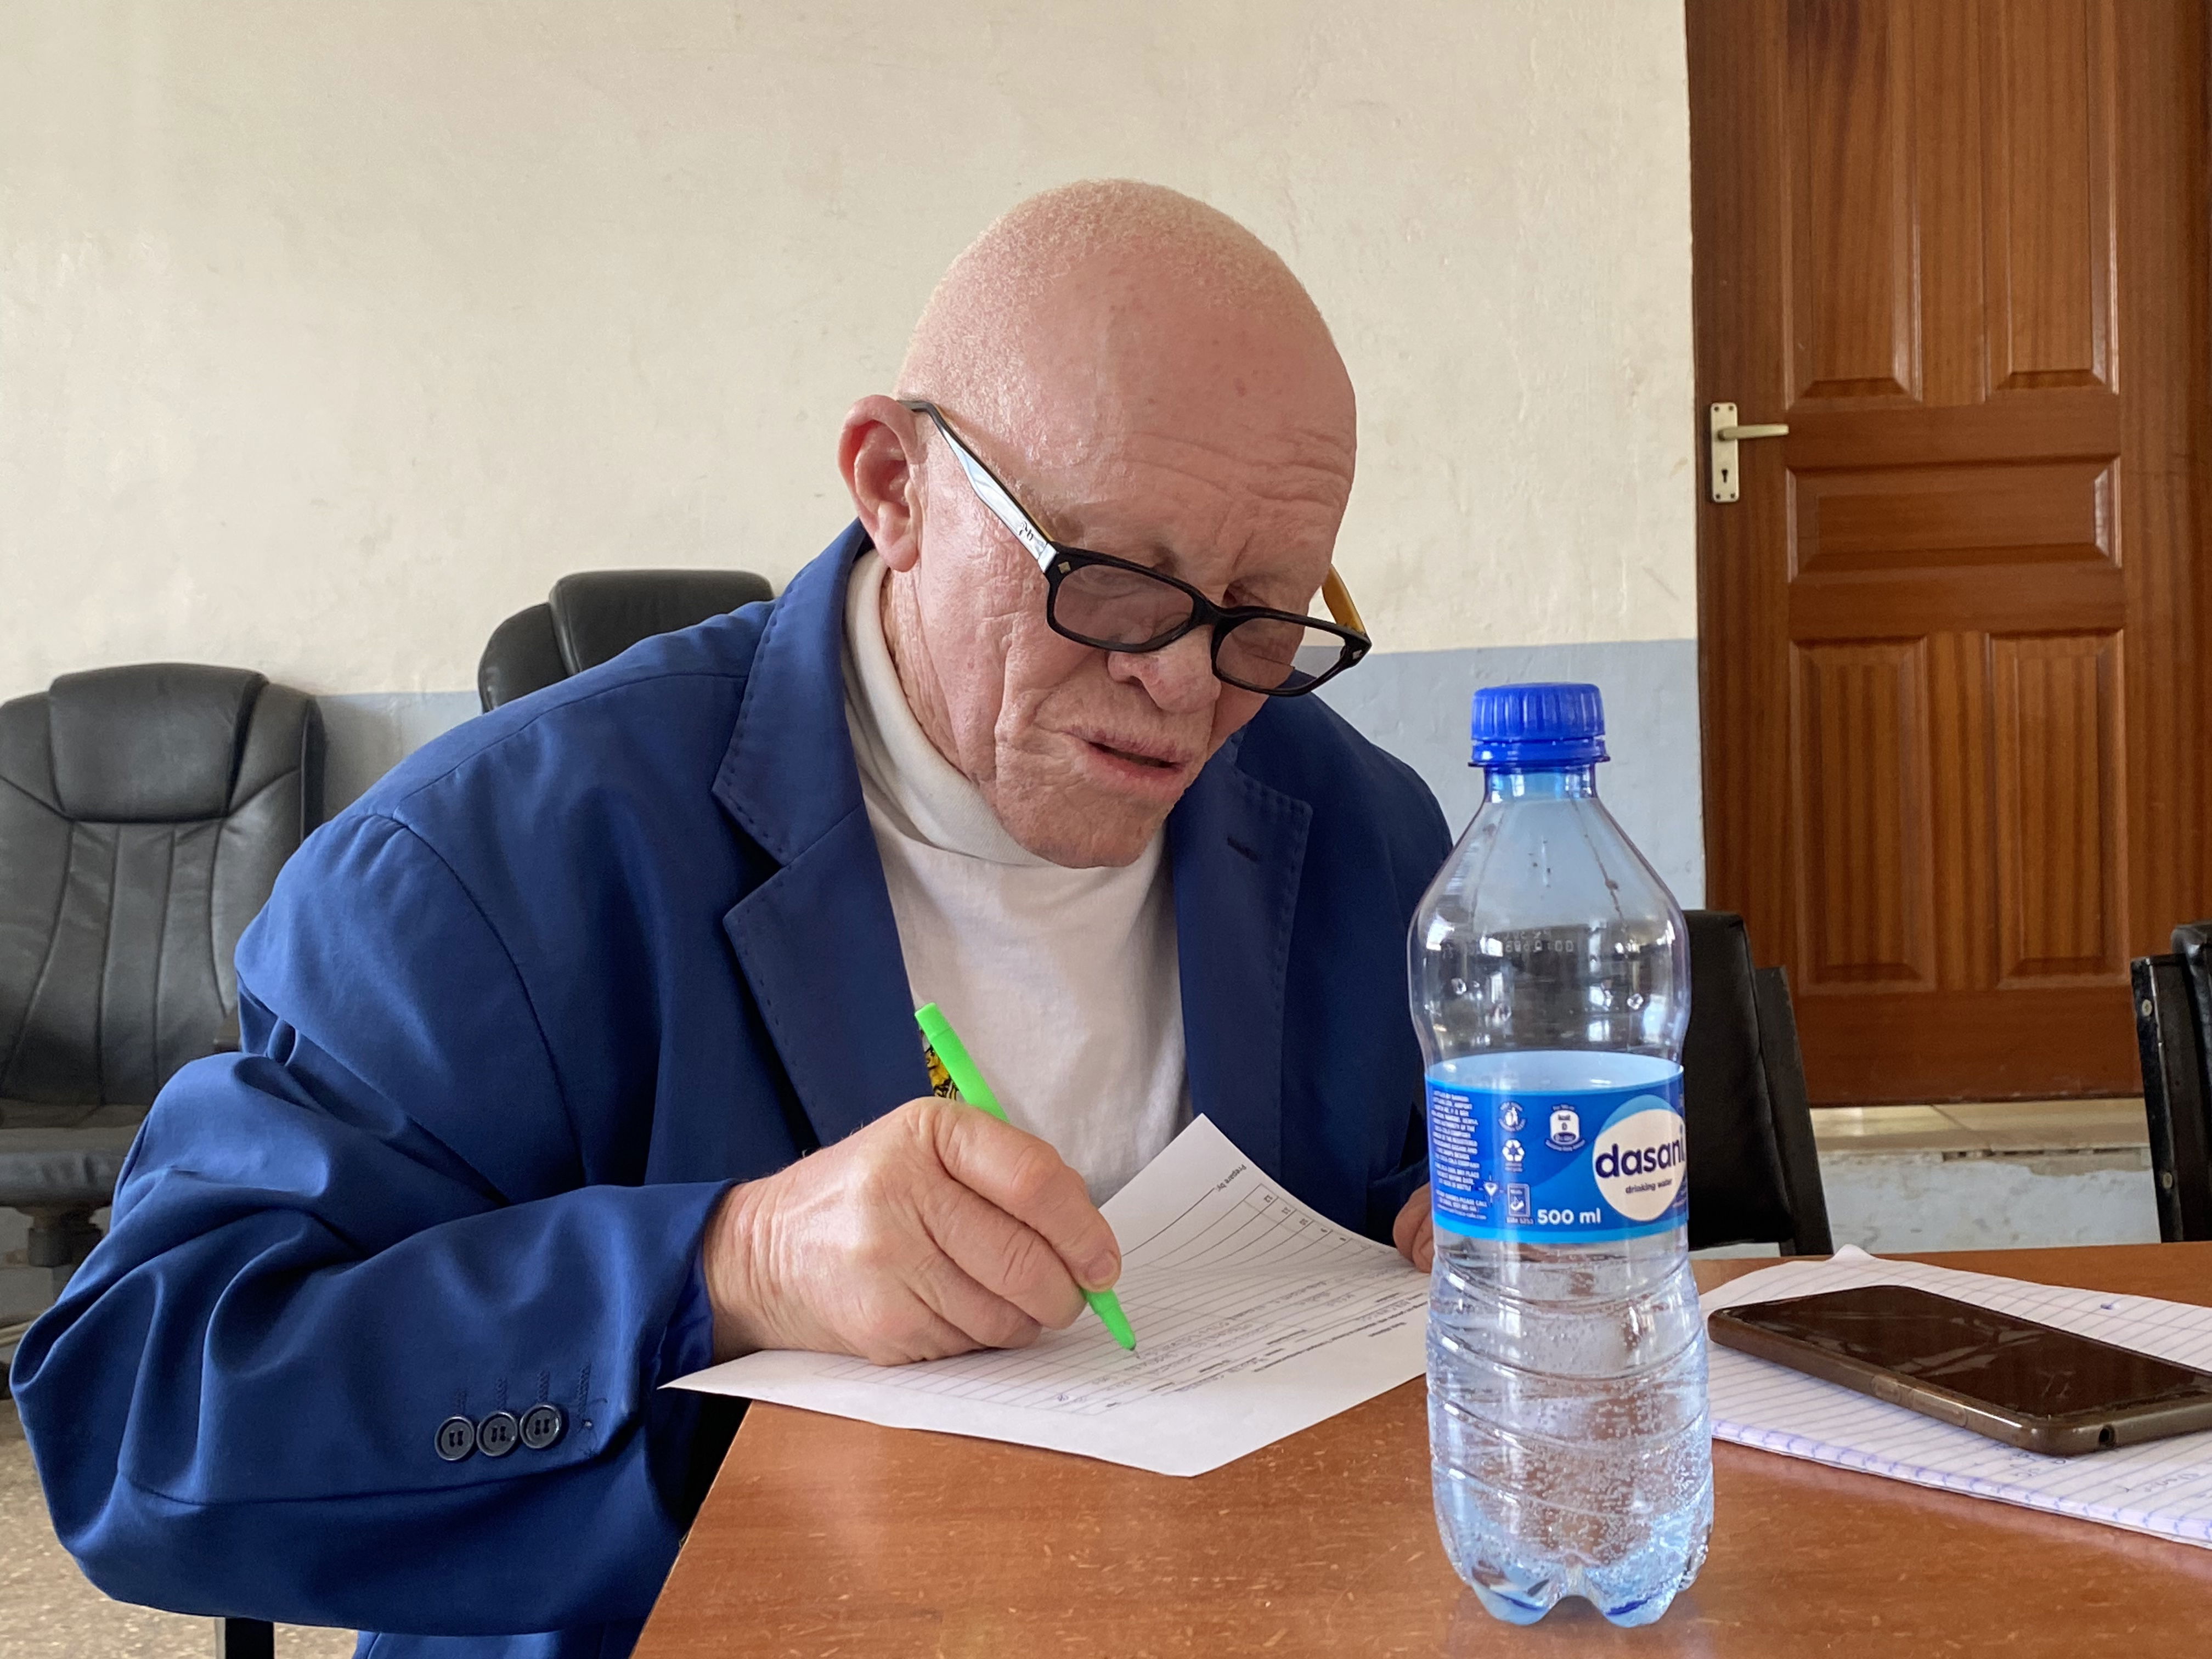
(828, 1537)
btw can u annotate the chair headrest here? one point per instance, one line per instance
(599, 614)
(152, 742)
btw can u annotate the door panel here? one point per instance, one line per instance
(2055, 699)
(1852, 260)
(1864, 781)
(2048, 157)
(1907, 517)
(1949, 633)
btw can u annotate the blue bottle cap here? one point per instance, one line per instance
(1538, 725)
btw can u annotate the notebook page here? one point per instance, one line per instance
(1255, 1317)
(2163, 1488)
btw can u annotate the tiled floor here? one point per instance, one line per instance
(2004, 1126)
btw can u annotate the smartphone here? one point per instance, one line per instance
(2029, 1385)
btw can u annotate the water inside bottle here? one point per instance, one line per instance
(1570, 1448)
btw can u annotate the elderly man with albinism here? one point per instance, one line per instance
(580, 1052)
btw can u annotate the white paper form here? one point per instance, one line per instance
(2164, 1487)
(1254, 1317)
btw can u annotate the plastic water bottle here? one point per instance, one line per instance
(1569, 1443)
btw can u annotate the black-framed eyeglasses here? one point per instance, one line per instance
(1116, 604)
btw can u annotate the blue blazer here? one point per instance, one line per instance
(511, 1024)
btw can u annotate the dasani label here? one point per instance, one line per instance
(1564, 1165)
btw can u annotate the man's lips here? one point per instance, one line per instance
(1164, 762)
(1137, 761)
(1165, 756)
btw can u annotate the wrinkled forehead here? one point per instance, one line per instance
(1138, 411)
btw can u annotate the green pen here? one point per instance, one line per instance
(966, 1081)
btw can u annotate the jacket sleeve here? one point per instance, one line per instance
(373, 1219)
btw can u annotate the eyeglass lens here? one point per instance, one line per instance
(1112, 607)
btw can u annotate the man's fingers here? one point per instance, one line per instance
(951, 1293)
(1001, 1254)
(1414, 1212)
(916, 1331)
(1024, 1176)
(1415, 1231)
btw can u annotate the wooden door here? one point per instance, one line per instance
(1955, 726)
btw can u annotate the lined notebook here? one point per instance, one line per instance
(2163, 1488)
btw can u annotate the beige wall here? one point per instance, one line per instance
(333, 331)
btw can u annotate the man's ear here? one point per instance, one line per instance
(879, 452)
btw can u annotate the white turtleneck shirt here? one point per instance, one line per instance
(1063, 983)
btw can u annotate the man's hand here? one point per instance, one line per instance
(934, 1230)
(1414, 1232)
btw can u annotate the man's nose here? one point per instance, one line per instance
(1178, 677)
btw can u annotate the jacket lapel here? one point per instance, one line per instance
(818, 944)
(1237, 847)
(816, 940)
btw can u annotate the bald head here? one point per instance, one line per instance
(1152, 383)
(1109, 266)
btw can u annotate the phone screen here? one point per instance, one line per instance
(2021, 1368)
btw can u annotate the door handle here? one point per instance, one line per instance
(1725, 435)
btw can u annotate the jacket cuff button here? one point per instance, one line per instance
(498, 1434)
(542, 1426)
(456, 1439)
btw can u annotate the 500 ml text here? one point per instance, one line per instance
(1569, 1218)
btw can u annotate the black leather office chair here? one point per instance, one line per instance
(1754, 1176)
(144, 812)
(2173, 1041)
(595, 615)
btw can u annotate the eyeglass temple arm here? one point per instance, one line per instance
(1337, 598)
(995, 496)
